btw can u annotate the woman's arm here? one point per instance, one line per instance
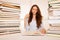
(25, 19)
(42, 28)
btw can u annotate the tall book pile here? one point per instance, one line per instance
(54, 17)
(9, 17)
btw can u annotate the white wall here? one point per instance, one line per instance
(26, 5)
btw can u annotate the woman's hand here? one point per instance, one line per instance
(43, 31)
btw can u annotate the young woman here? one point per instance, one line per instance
(33, 20)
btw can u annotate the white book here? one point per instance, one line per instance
(5, 12)
(55, 24)
(51, 2)
(10, 9)
(55, 4)
(53, 32)
(52, 28)
(53, 21)
(54, 17)
(58, 9)
(17, 4)
(56, 13)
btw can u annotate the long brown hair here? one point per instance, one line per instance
(38, 16)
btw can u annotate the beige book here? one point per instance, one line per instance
(10, 6)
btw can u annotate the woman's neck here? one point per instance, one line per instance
(34, 17)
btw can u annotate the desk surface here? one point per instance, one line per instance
(18, 36)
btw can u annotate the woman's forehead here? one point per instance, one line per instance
(34, 7)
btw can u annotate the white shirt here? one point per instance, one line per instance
(32, 26)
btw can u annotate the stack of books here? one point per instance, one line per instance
(54, 17)
(9, 17)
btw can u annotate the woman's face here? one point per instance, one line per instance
(34, 10)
